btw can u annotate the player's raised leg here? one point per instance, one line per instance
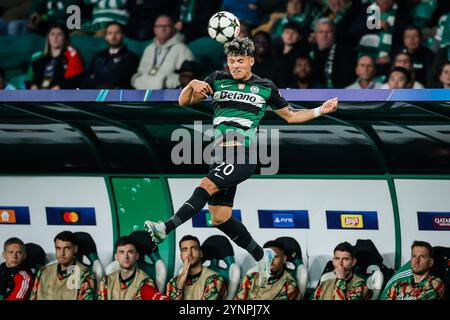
(159, 230)
(223, 220)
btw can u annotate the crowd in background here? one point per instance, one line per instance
(299, 43)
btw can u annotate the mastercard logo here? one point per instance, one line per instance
(71, 217)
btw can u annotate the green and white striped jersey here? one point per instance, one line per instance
(106, 11)
(240, 105)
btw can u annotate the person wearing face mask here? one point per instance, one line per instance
(16, 280)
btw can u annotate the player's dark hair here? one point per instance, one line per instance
(346, 247)
(275, 244)
(189, 237)
(123, 241)
(413, 27)
(66, 236)
(405, 72)
(115, 23)
(240, 47)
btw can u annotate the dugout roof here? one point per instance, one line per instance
(129, 131)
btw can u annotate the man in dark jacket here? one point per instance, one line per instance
(332, 61)
(113, 67)
(16, 280)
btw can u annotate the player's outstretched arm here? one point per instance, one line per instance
(299, 116)
(194, 92)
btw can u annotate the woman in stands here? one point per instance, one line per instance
(59, 66)
(398, 78)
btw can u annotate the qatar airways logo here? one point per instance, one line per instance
(441, 222)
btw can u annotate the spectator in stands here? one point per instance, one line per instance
(422, 11)
(59, 66)
(161, 58)
(3, 84)
(14, 17)
(441, 58)
(244, 30)
(331, 60)
(442, 36)
(143, 14)
(104, 12)
(366, 71)
(422, 57)
(113, 67)
(195, 282)
(298, 11)
(267, 65)
(404, 60)
(382, 43)
(270, 8)
(292, 46)
(126, 283)
(280, 286)
(420, 285)
(16, 280)
(303, 74)
(345, 285)
(45, 13)
(244, 10)
(67, 279)
(398, 78)
(187, 73)
(193, 16)
(445, 75)
(349, 18)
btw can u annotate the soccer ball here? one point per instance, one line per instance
(223, 26)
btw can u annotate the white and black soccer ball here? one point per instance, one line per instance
(223, 26)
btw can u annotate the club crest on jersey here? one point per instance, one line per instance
(254, 89)
(241, 86)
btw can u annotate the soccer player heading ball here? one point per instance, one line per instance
(240, 99)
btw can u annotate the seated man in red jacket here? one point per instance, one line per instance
(16, 281)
